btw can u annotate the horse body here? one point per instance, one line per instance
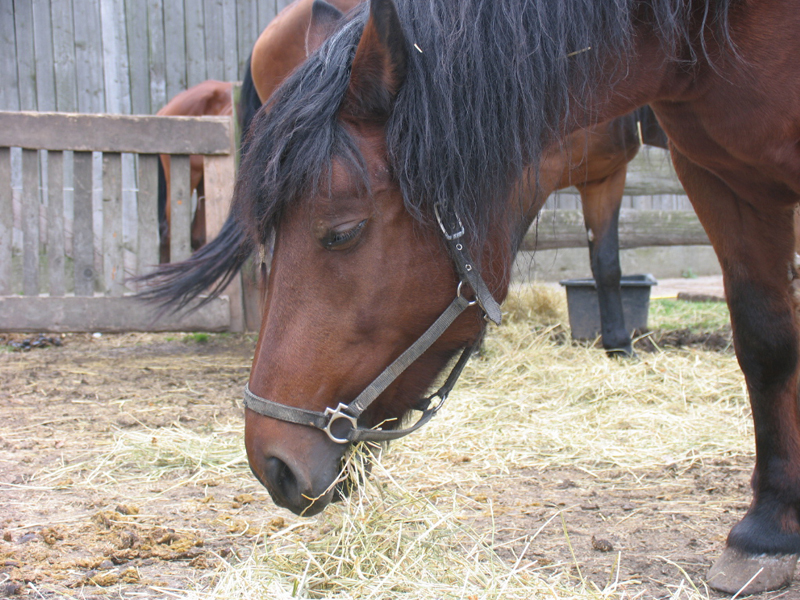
(375, 135)
(740, 166)
(734, 126)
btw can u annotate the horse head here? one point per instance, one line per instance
(356, 280)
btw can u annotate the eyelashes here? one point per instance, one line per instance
(340, 240)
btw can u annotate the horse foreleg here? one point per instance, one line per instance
(601, 202)
(754, 241)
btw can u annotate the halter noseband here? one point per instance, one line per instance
(348, 414)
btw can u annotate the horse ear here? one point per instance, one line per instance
(379, 66)
(324, 18)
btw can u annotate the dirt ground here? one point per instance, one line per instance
(81, 516)
(61, 407)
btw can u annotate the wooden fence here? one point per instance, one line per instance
(121, 56)
(67, 256)
(637, 229)
(655, 211)
(83, 284)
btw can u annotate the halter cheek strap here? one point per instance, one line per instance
(341, 423)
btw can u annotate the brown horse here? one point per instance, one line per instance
(400, 165)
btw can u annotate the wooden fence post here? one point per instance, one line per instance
(6, 221)
(55, 223)
(219, 173)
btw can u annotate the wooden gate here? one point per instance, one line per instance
(84, 284)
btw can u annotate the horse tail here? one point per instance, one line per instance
(163, 226)
(210, 269)
(652, 134)
(249, 103)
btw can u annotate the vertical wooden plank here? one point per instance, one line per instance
(6, 221)
(44, 69)
(219, 176)
(129, 217)
(281, 4)
(214, 41)
(230, 54)
(267, 9)
(236, 94)
(82, 226)
(113, 270)
(195, 43)
(147, 207)
(115, 57)
(180, 225)
(26, 58)
(9, 91)
(66, 85)
(43, 51)
(55, 223)
(247, 32)
(30, 222)
(156, 54)
(89, 56)
(139, 71)
(97, 218)
(175, 46)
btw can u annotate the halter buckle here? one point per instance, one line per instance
(461, 295)
(333, 415)
(449, 236)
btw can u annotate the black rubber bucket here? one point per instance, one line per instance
(584, 309)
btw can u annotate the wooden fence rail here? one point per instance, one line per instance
(56, 282)
(637, 229)
(98, 294)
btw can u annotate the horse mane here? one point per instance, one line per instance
(487, 89)
(249, 103)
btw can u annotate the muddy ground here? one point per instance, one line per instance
(81, 517)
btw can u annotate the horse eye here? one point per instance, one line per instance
(340, 240)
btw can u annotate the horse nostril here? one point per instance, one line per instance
(282, 481)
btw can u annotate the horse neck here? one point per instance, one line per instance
(648, 74)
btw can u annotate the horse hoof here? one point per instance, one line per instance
(736, 572)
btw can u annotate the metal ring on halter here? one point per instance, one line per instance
(442, 399)
(336, 414)
(458, 294)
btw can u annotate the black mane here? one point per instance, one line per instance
(489, 84)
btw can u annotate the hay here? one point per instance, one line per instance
(526, 402)
(147, 455)
(386, 542)
(535, 305)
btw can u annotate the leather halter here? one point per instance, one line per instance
(332, 419)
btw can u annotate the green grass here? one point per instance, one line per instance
(197, 338)
(680, 314)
